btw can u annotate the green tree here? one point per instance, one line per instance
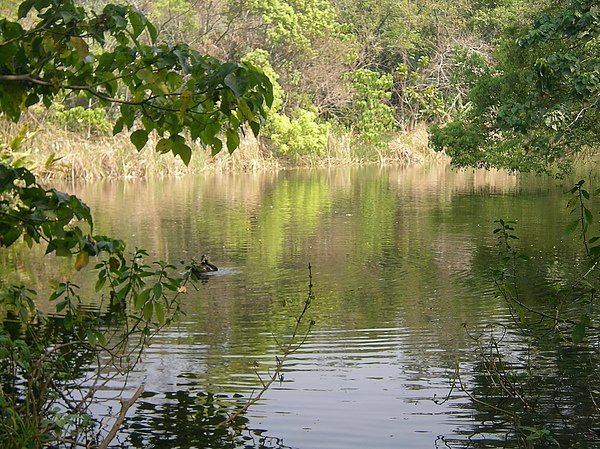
(537, 107)
(55, 48)
(298, 133)
(370, 111)
(113, 58)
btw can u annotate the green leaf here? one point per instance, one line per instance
(245, 109)
(589, 217)
(83, 258)
(146, 75)
(61, 305)
(163, 146)
(571, 227)
(157, 291)
(118, 126)
(24, 8)
(80, 46)
(160, 312)
(236, 84)
(91, 337)
(139, 138)
(158, 88)
(137, 23)
(114, 263)
(578, 333)
(595, 252)
(255, 128)
(183, 151)
(9, 237)
(233, 140)
(100, 283)
(28, 240)
(141, 298)
(216, 145)
(152, 31)
(11, 30)
(148, 310)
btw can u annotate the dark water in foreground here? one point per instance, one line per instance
(401, 261)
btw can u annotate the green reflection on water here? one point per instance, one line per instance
(405, 250)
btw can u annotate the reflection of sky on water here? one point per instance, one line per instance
(369, 398)
(343, 388)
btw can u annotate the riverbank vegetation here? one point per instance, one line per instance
(353, 82)
(502, 84)
(536, 109)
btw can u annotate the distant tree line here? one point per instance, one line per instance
(365, 68)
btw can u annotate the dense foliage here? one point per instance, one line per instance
(112, 57)
(51, 366)
(538, 105)
(421, 65)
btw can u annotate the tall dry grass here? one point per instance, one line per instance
(55, 153)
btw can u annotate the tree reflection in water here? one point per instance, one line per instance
(185, 419)
(530, 393)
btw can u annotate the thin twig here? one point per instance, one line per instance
(289, 349)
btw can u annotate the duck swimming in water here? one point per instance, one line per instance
(206, 265)
(198, 269)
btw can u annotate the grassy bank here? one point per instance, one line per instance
(54, 152)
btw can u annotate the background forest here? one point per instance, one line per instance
(354, 81)
(501, 84)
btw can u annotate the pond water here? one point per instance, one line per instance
(401, 262)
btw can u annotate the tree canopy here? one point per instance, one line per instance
(537, 106)
(113, 57)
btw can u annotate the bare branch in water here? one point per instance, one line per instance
(292, 346)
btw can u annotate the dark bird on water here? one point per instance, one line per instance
(206, 266)
(199, 269)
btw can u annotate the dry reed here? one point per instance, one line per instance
(54, 153)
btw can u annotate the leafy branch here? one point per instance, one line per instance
(172, 90)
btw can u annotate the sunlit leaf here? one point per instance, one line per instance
(80, 46)
(83, 258)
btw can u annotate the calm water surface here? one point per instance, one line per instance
(401, 261)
